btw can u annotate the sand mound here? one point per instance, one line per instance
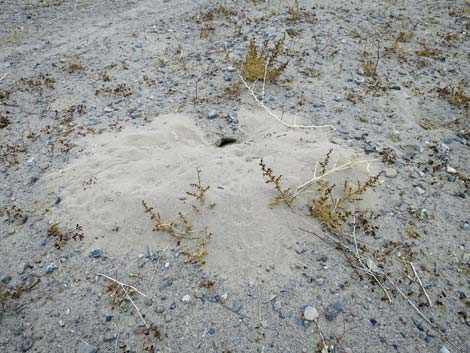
(103, 190)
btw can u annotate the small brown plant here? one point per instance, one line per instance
(4, 121)
(200, 190)
(260, 63)
(61, 237)
(332, 212)
(284, 195)
(117, 294)
(15, 293)
(294, 11)
(179, 227)
(201, 253)
(455, 95)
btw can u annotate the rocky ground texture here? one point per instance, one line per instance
(391, 76)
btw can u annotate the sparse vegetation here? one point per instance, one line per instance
(455, 95)
(294, 11)
(15, 293)
(284, 195)
(180, 227)
(260, 63)
(4, 121)
(200, 190)
(63, 236)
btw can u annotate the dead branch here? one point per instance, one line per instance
(123, 286)
(421, 284)
(261, 104)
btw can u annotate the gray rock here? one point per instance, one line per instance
(84, 347)
(212, 115)
(6, 279)
(109, 337)
(51, 266)
(391, 172)
(420, 191)
(168, 317)
(186, 299)
(22, 267)
(277, 305)
(310, 313)
(160, 309)
(444, 350)
(333, 311)
(319, 281)
(96, 253)
(26, 344)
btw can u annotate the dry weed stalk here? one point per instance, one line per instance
(179, 227)
(200, 190)
(284, 194)
(310, 185)
(130, 289)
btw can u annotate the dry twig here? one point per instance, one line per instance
(325, 173)
(123, 286)
(261, 104)
(421, 284)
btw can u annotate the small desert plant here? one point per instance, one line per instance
(283, 194)
(200, 190)
(61, 237)
(455, 95)
(4, 121)
(15, 293)
(179, 227)
(260, 63)
(332, 212)
(294, 11)
(201, 253)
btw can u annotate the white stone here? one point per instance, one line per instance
(310, 313)
(451, 170)
(186, 298)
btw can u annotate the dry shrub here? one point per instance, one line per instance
(260, 63)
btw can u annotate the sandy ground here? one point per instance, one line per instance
(106, 104)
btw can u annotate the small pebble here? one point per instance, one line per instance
(310, 313)
(96, 253)
(26, 344)
(444, 350)
(391, 172)
(51, 266)
(212, 115)
(451, 170)
(84, 347)
(6, 279)
(186, 299)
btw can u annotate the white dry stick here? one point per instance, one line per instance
(261, 104)
(421, 284)
(342, 167)
(264, 80)
(4, 76)
(123, 286)
(164, 250)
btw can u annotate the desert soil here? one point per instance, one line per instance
(108, 107)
